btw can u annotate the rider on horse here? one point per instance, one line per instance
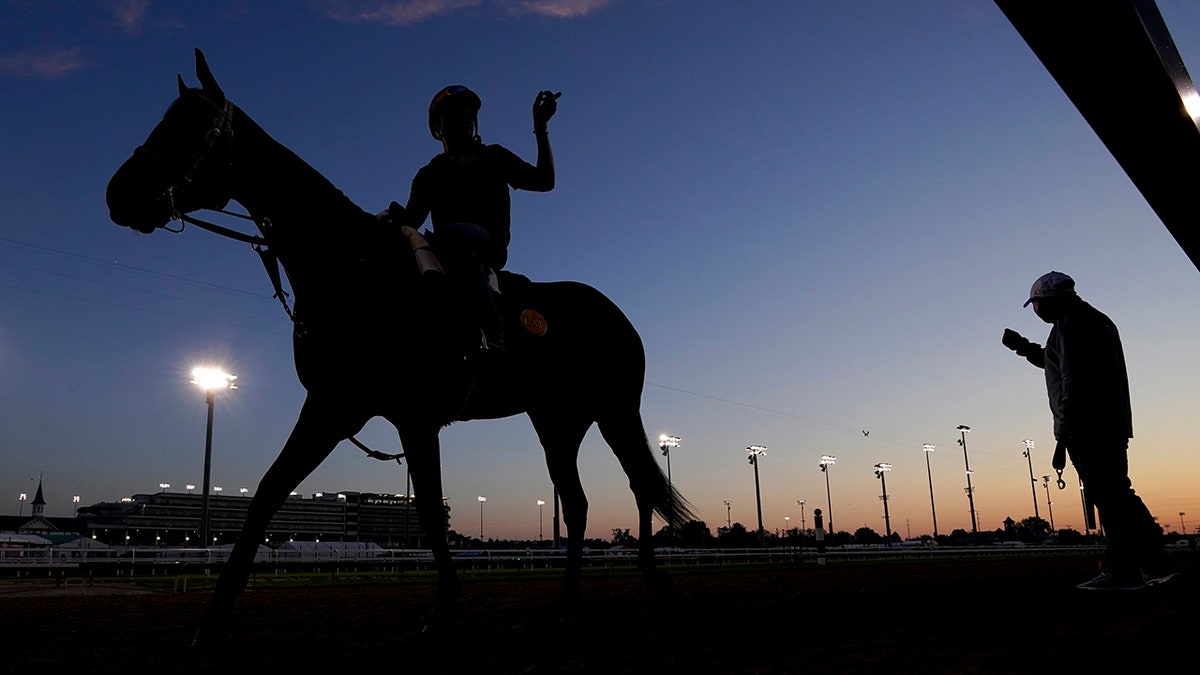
(464, 191)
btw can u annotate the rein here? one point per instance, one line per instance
(258, 243)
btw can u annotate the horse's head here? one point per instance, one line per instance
(182, 165)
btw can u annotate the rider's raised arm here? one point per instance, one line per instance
(544, 171)
(540, 178)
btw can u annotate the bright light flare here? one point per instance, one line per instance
(211, 379)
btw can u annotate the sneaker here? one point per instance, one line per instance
(1156, 579)
(1107, 582)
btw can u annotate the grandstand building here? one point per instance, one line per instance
(173, 519)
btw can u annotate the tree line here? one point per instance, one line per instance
(696, 534)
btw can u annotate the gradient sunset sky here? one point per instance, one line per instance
(820, 216)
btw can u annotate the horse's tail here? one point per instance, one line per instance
(673, 507)
(626, 435)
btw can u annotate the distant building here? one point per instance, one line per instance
(38, 523)
(173, 519)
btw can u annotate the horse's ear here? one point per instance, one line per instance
(182, 87)
(207, 82)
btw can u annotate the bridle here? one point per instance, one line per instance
(220, 128)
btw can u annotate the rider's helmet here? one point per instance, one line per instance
(453, 98)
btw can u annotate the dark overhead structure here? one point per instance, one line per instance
(1116, 61)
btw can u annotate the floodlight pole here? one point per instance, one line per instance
(209, 399)
(756, 451)
(1049, 504)
(881, 470)
(962, 430)
(826, 462)
(209, 379)
(1032, 481)
(928, 448)
(481, 499)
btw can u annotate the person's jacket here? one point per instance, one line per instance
(1086, 378)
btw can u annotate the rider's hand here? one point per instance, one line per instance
(1014, 340)
(393, 215)
(544, 107)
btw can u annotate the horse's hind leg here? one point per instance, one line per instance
(318, 430)
(561, 434)
(626, 435)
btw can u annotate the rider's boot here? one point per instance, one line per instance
(492, 321)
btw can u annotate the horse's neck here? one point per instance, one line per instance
(320, 237)
(272, 182)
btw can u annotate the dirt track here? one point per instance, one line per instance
(995, 616)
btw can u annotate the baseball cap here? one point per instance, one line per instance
(1049, 285)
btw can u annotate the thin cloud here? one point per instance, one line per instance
(409, 12)
(44, 64)
(131, 14)
(397, 12)
(561, 9)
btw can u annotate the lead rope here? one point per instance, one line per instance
(375, 454)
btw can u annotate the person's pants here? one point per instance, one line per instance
(1134, 539)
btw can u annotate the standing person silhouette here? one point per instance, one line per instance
(464, 191)
(1088, 387)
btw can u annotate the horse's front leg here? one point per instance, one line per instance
(422, 450)
(320, 427)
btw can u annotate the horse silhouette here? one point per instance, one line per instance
(371, 339)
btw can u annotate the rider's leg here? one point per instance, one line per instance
(468, 247)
